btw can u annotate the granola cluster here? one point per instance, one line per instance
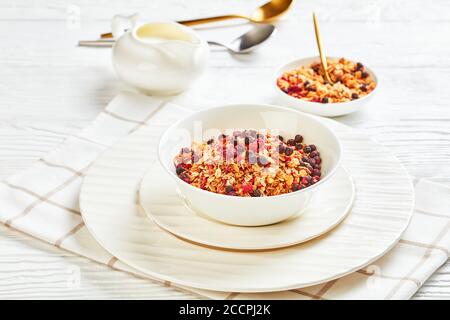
(351, 81)
(249, 163)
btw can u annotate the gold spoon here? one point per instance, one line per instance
(268, 12)
(323, 59)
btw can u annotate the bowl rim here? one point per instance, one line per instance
(302, 62)
(253, 105)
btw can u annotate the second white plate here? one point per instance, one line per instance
(163, 204)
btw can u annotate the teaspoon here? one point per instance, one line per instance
(249, 40)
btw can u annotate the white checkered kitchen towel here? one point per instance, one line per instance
(43, 202)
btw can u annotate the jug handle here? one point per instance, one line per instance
(122, 23)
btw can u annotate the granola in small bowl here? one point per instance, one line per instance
(248, 163)
(301, 84)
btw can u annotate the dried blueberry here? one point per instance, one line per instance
(229, 189)
(299, 146)
(289, 151)
(180, 170)
(260, 136)
(249, 139)
(298, 138)
(196, 157)
(255, 193)
(262, 160)
(307, 149)
(210, 141)
(325, 100)
(185, 177)
(314, 154)
(355, 96)
(291, 142)
(252, 158)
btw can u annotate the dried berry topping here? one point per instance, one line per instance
(196, 157)
(308, 83)
(291, 142)
(262, 160)
(179, 170)
(236, 169)
(210, 141)
(314, 153)
(255, 193)
(249, 139)
(185, 177)
(246, 188)
(289, 151)
(298, 138)
(355, 96)
(252, 158)
(229, 189)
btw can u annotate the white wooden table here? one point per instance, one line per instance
(50, 89)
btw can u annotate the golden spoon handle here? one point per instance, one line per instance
(212, 19)
(323, 59)
(195, 22)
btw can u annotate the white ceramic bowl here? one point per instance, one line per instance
(321, 109)
(248, 211)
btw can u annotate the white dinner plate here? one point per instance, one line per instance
(330, 204)
(380, 213)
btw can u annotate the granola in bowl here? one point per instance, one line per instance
(352, 81)
(249, 163)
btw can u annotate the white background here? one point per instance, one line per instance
(50, 88)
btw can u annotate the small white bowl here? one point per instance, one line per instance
(321, 109)
(248, 211)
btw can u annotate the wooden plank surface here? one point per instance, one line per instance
(50, 89)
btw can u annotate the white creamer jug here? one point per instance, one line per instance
(159, 58)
